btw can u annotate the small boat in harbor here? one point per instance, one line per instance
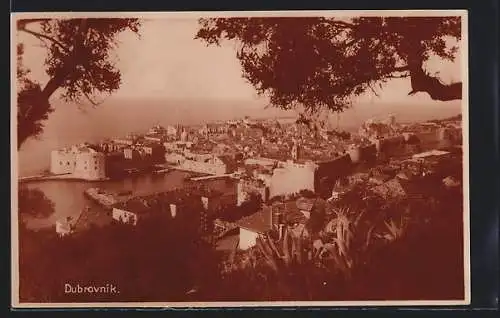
(124, 192)
(132, 171)
(161, 171)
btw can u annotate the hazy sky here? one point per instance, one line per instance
(166, 62)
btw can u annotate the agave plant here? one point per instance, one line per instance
(284, 267)
(395, 230)
(288, 251)
(297, 265)
(340, 239)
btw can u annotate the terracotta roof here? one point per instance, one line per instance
(209, 192)
(259, 222)
(341, 162)
(305, 204)
(151, 144)
(154, 135)
(228, 243)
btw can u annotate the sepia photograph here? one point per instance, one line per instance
(227, 159)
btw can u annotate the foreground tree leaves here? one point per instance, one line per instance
(78, 61)
(322, 63)
(156, 260)
(34, 203)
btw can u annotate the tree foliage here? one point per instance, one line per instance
(156, 260)
(78, 62)
(375, 250)
(322, 63)
(34, 203)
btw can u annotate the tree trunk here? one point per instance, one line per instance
(41, 102)
(422, 82)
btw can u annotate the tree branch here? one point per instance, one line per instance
(22, 23)
(423, 82)
(43, 36)
(71, 60)
(373, 89)
(89, 98)
(53, 84)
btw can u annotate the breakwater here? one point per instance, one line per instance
(104, 198)
(50, 177)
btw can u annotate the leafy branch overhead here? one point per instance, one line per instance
(78, 61)
(320, 62)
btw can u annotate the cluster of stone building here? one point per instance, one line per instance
(215, 148)
(194, 208)
(79, 162)
(271, 160)
(333, 178)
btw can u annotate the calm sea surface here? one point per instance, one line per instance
(70, 125)
(69, 200)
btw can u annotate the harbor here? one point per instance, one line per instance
(162, 171)
(107, 199)
(289, 159)
(211, 177)
(69, 197)
(49, 177)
